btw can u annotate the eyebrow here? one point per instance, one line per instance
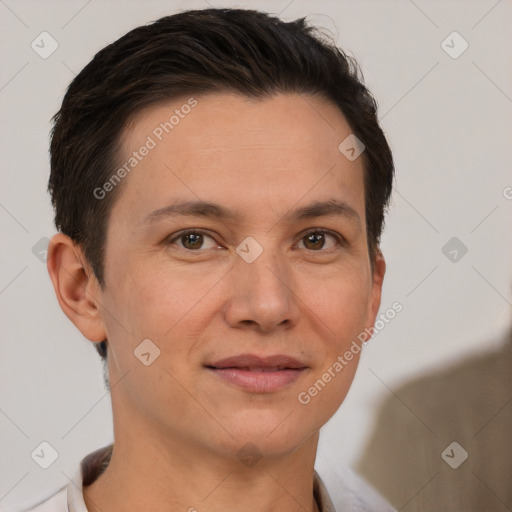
(213, 210)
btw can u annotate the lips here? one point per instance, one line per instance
(256, 363)
(258, 374)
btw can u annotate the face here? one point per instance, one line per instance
(237, 246)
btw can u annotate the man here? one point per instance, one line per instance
(220, 180)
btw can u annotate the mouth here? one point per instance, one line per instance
(258, 374)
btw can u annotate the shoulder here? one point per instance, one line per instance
(88, 470)
(348, 491)
(55, 503)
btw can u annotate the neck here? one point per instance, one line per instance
(152, 472)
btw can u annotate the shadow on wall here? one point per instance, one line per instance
(443, 442)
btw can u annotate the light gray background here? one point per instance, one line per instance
(449, 124)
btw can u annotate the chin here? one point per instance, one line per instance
(269, 433)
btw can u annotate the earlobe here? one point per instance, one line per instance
(76, 287)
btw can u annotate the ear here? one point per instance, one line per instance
(379, 269)
(76, 287)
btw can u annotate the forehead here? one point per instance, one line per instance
(229, 148)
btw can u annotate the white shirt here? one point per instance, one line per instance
(349, 495)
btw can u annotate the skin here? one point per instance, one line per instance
(177, 426)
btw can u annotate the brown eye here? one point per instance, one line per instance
(314, 241)
(318, 240)
(192, 240)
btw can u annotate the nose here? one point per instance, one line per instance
(263, 296)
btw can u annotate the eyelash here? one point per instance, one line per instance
(340, 240)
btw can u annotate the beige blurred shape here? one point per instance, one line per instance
(469, 403)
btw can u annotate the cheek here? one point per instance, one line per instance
(340, 302)
(157, 304)
(340, 313)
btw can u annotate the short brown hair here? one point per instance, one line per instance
(212, 50)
